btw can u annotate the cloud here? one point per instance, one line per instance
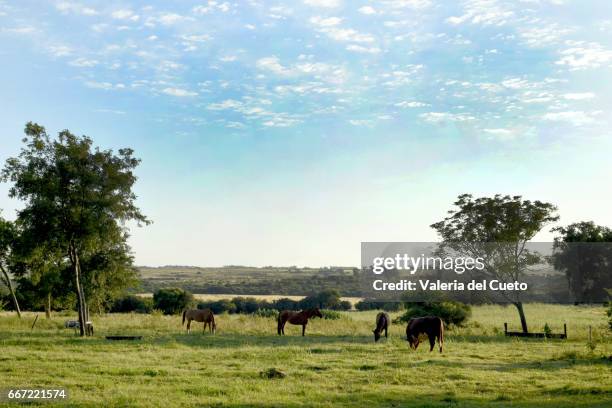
(59, 50)
(411, 104)
(361, 49)
(361, 122)
(500, 133)
(178, 92)
(103, 85)
(439, 117)
(20, 30)
(576, 118)
(226, 104)
(170, 18)
(482, 12)
(84, 63)
(69, 7)
(323, 3)
(580, 96)
(124, 14)
(347, 35)
(584, 55)
(368, 10)
(325, 22)
(211, 7)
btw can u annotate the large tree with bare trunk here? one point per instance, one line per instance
(77, 198)
(497, 229)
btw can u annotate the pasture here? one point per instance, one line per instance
(336, 364)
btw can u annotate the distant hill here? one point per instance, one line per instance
(244, 280)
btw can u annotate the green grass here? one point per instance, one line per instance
(336, 364)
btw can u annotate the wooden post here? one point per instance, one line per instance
(34, 322)
(505, 328)
(565, 330)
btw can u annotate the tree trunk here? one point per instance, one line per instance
(12, 290)
(48, 306)
(519, 307)
(74, 258)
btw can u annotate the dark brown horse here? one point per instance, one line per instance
(204, 315)
(432, 326)
(297, 318)
(382, 323)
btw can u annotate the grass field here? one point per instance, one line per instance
(336, 364)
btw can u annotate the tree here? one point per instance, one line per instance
(508, 222)
(7, 238)
(76, 197)
(584, 252)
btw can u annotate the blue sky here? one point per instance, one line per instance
(279, 133)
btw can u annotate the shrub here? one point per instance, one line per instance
(266, 313)
(373, 304)
(327, 299)
(285, 304)
(452, 313)
(219, 306)
(172, 300)
(248, 305)
(132, 303)
(330, 314)
(342, 305)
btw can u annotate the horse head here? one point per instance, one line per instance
(376, 335)
(316, 313)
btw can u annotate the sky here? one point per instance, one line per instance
(286, 133)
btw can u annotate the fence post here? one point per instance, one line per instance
(505, 329)
(565, 330)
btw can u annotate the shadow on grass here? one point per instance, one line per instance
(447, 399)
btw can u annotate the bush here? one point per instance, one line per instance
(330, 314)
(452, 313)
(172, 300)
(249, 305)
(342, 305)
(373, 304)
(218, 306)
(132, 303)
(266, 313)
(285, 304)
(327, 299)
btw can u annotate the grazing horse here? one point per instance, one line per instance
(432, 326)
(204, 315)
(297, 318)
(382, 323)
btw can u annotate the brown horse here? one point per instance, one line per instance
(297, 318)
(204, 315)
(432, 326)
(382, 323)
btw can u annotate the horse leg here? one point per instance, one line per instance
(386, 332)
(303, 329)
(432, 341)
(188, 326)
(283, 323)
(204, 327)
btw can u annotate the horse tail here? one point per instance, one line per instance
(441, 338)
(184, 313)
(278, 320)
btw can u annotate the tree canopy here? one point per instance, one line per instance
(78, 199)
(497, 229)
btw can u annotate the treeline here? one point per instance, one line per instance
(175, 300)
